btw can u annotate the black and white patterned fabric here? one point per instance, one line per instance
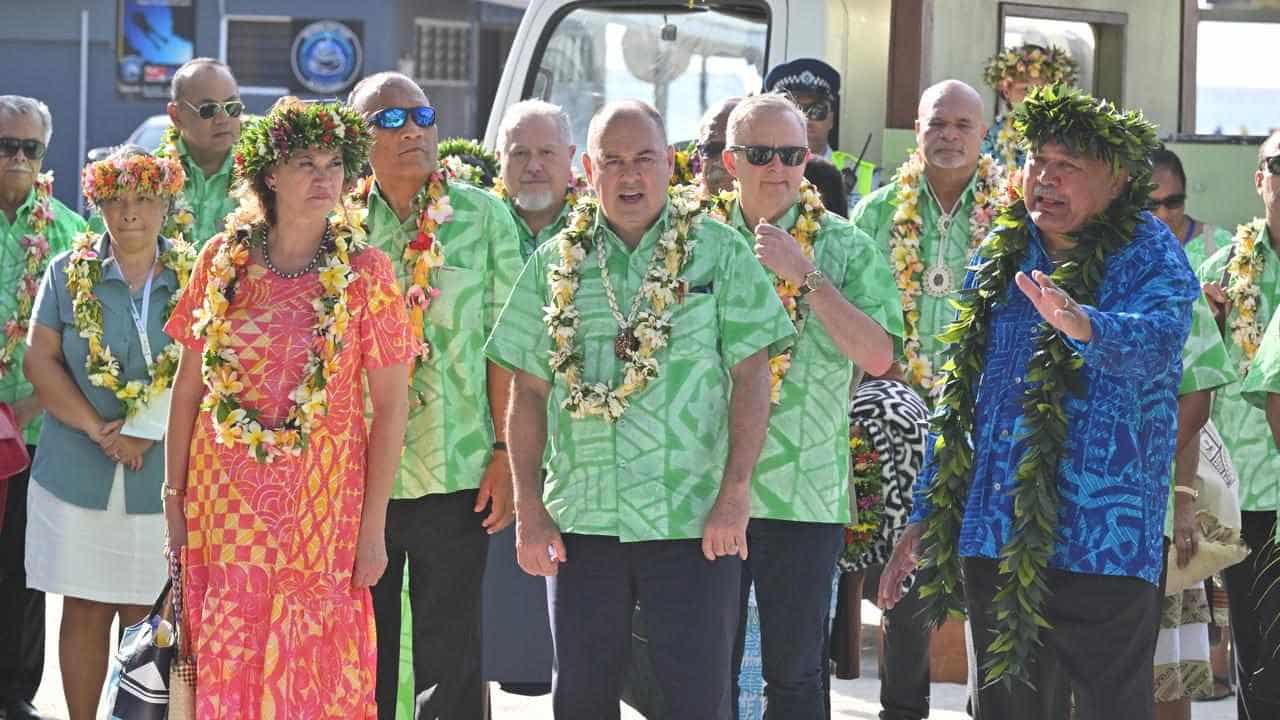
(896, 422)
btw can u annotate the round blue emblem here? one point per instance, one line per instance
(326, 56)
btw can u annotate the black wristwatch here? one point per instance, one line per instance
(812, 281)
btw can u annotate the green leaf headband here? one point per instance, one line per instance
(468, 161)
(294, 125)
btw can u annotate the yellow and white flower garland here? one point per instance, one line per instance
(651, 329)
(904, 248)
(84, 271)
(1244, 272)
(36, 246)
(1007, 144)
(182, 217)
(221, 369)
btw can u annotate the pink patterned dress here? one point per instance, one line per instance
(278, 629)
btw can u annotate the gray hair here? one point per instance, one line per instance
(373, 84)
(188, 71)
(22, 105)
(606, 115)
(525, 109)
(756, 104)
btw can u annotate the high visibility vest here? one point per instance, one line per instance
(863, 175)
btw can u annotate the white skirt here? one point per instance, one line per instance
(106, 556)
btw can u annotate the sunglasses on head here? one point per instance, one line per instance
(1272, 164)
(790, 156)
(393, 118)
(1169, 202)
(33, 149)
(206, 111)
(711, 150)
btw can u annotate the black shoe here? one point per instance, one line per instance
(20, 710)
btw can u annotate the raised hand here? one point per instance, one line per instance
(1055, 306)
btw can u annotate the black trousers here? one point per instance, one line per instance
(1246, 583)
(690, 613)
(446, 548)
(1102, 642)
(21, 609)
(904, 662)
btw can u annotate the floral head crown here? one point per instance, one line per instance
(1052, 65)
(141, 173)
(293, 125)
(1083, 124)
(469, 162)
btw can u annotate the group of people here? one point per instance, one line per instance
(325, 391)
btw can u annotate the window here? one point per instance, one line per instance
(1093, 38)
(682, 61)
(443, 52)
(1077, 38)
(254, 46)
(1234, 96)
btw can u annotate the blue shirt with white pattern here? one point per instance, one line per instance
(1113, 481)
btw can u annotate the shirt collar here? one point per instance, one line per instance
(647, 240)
(111, 269)
(193, 170)
(565, 209)
(740, 223)
(24, 210)
(966, 197)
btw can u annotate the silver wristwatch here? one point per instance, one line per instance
(812, 281)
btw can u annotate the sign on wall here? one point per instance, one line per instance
(327, 55)
(153, 39)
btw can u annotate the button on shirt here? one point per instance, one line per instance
(653, 475)
(449, 438)
(69, 464)
(803, 472)
(1113, 481)
(59, 233)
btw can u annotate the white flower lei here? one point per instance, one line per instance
(1244, 271)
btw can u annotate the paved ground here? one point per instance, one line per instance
(851, 699)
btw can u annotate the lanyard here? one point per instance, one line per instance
(140, 318)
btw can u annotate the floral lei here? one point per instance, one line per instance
(866, 470)
(221, 369)
(422, 255)
(1054, 372)
(1007, 144)
(1052, 65)
(36, 245)
(183, 217)
(904, 246)
(84, 271)
(652, 328)
(1244, 271)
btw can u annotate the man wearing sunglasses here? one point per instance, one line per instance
(535, 152)
(32, 223)
(453, 488)
(1252, 586)
(800, 489)
(206, 110)
(711, 147)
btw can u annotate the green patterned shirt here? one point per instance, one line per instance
(60, 233)
(1244, 427)
(529, 241)
(874, 216)
(655, 473)
(803, 473)
(449, 439)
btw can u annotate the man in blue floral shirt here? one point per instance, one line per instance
(1049, 483)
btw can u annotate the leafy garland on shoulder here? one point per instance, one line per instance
(1074, 119)
(182, 217)
(1244, 272)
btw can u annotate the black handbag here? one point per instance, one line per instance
(138, 684)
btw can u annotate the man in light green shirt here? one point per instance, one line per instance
(535, 153)
(1251, 586)
(453, 488)
(647, 492)
(34, 227)
(800, 490)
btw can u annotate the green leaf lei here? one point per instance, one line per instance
(1084, 125)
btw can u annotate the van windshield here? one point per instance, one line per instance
(681, 61)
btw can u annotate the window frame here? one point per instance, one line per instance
(1109, 27)
(1192, 16)
(223, 32)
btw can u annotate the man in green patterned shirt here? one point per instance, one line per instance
(647, 492)
(453, 489)
(1247, 436)
(34, 227)
(535, 151)
(800, 491)
(943, 198)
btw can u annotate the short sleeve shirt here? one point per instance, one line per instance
(803, 472)
(654, 474)
(449, 439)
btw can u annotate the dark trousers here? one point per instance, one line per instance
(1246, 584)
(446, 548)
(21, 609)
(791, 564)
(904, 660)
(1103, 641)
(690, 613)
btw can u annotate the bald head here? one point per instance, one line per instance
(953, 92)
(365, 97)
(624, 113)
(949, 127)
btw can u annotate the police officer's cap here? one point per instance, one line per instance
(804, 75)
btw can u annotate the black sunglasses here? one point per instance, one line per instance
(817, 110)
(33, 149)
(1272, 164)
(1170, 202)
(711, 150)
(790, 156)
(393, 118)
(206, 111)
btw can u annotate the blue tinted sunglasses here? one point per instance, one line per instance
(393, 118)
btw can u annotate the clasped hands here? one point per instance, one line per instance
(120, 448)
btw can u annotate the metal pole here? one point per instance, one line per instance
(84, 105)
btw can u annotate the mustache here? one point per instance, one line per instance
(1044, 193)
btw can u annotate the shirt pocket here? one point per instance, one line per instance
(694, 326)
(461, 298)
